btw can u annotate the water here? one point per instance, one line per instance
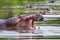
(42, 30)
(46, 31)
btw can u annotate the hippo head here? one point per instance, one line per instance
(38, 17)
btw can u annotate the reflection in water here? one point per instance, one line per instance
(29, 38)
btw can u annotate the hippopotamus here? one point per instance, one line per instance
(21, 22)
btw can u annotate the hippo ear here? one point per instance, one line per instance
(19, 16)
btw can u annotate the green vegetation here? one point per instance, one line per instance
(10, 12)
(16, 2)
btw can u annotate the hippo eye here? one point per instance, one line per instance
(37, 15)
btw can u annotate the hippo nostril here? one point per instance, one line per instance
(42, 18)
